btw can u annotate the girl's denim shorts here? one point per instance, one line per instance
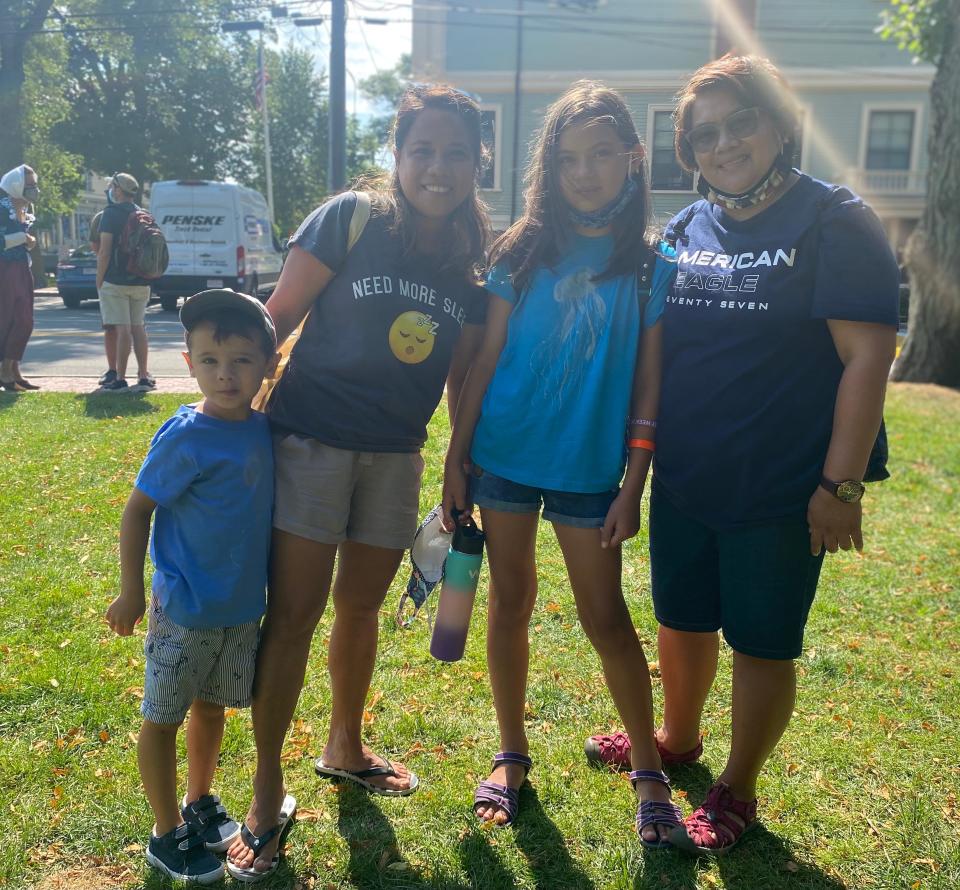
(564, 507)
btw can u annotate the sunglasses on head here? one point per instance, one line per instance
(740, 125)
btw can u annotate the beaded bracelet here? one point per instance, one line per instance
(642, 421)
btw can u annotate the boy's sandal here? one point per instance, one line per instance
(361, 777)
(614, 750)
(655, 812)
(257, 842)
(717, 824)
(502, 796)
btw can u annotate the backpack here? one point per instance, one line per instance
(876, 470)
(142, 249)
(358, 222)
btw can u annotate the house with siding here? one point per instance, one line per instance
(865, 103)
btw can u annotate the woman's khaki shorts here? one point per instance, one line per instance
(123, 303)
(331, 495)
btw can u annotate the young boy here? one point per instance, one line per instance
(208, 476)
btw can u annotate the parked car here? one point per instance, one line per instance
(219, 235)
(77, 277)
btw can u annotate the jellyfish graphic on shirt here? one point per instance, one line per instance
(560, 361)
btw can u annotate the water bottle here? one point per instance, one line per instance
(459, 588)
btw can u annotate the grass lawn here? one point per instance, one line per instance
(861, 793)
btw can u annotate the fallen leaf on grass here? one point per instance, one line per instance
(311, 815)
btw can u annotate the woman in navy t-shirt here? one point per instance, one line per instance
(778, 338)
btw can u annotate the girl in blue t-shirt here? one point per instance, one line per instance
(542, 418)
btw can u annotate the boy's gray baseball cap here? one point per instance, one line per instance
(198, 307)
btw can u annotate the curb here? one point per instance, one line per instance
(89, 386)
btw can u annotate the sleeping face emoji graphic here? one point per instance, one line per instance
(411, 337)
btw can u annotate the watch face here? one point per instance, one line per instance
(850, 491)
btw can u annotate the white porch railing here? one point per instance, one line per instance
(887, 182)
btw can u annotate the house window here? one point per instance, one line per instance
(889, 139)
(666, 174)
(489, 173)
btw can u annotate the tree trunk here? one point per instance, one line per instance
(931, 353)
(18, 23)
(11, 87)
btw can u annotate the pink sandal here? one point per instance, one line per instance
(614, 750)
(716, 825)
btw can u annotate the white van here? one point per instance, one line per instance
(219, 235)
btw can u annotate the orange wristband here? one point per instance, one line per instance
(645, 444)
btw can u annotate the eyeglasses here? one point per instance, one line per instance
(740, 125)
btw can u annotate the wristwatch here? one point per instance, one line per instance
(848, 490)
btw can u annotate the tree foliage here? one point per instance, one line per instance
(161, 96)
(384, 89)
(918, 26)
(60, 171)
(297, 104)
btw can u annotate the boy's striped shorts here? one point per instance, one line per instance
(215, 664)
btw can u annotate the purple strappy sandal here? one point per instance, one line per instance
(655, 812)
(502, 796)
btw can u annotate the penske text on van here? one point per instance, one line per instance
(219, 235)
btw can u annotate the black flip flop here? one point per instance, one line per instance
(360, 776)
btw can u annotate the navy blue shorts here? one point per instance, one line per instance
(563, 507)
(755, 583)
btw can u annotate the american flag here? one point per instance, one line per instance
(261, 81)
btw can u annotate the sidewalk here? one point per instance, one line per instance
(89, 385)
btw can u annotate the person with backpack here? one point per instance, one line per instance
(123, 293)
(778, 336)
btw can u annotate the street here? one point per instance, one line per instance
(66, 349)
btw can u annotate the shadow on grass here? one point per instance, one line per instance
(540, 841)
(373, 847)
(104, 406)
(761, 861)
(8, 399)
(545, 848)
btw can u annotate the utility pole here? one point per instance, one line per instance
(337, 173)
(260, 90)
(517, 96)
(263, 81)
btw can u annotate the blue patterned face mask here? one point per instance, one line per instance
(604, 216)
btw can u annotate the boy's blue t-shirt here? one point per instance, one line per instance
(213, 483)
(555, 412)
(750, 371)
